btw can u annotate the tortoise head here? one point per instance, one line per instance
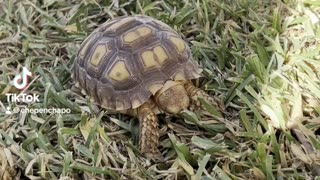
(172, 98)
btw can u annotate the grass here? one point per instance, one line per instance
(260, 58)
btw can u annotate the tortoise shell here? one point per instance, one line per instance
(125, 61)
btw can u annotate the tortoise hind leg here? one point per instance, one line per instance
(148, 132)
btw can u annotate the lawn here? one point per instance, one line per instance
(261, 62)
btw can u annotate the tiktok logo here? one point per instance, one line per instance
(20, 81)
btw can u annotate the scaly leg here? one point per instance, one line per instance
(148, 132)
(194, 94)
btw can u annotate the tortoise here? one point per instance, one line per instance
(139, 66)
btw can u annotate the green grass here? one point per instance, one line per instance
(261, 59)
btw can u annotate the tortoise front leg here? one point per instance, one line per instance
(194, 94)
(148, 132)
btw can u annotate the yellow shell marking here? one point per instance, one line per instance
(179, 76)
(119, 72)
(84, 48)
(149, 57)
(130, 37)
(161, 54)
(98, 54)
(179, 43)
(155, 87)
(149, 60)
(141, 32)
(119, 105)
(135, 103)
(117, 25)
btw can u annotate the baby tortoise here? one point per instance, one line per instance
(139, 66)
